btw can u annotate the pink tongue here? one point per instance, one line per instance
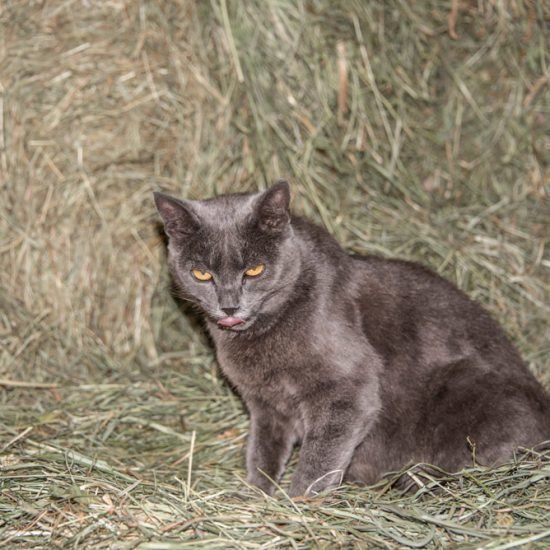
(230, 321)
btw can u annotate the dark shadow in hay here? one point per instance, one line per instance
(175, 318)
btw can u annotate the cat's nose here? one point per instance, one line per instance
(229, 310)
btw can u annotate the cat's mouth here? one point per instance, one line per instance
(230, 322)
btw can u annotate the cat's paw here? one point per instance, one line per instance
(301, 487)
(260, 484)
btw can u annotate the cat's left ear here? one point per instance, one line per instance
(273, 208)
(177, 215)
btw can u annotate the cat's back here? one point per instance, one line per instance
(406, 308)
(407, 313)
(318, 245)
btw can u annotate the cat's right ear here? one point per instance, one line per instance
(273, 208)
(177, 216)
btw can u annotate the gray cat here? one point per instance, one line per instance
(369, 364)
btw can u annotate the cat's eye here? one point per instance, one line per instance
(201, 275)
(255, 271)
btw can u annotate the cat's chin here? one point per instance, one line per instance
(237, 328)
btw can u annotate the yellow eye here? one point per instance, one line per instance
(255, 271)
(201, 275)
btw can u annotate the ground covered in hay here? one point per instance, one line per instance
(410, 129)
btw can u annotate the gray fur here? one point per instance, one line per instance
(369, 364)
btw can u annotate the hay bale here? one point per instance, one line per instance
(409, 129)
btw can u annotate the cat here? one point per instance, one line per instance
(369, 364)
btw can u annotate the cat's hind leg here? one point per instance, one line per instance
(478, 414)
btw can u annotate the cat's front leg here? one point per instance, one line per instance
(333, 430)
(270, 444)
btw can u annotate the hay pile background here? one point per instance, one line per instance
(411, 129)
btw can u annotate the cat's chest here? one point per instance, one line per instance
(258, 365)
(288, 367)
(268, 369)
(287, 364)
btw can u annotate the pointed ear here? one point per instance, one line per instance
(273, 208)
(177, 216)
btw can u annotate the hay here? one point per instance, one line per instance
(417, 130)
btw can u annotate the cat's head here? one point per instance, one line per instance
(233, 256)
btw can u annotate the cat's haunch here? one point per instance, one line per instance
(369, 364)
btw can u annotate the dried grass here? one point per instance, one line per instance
(417, 130)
